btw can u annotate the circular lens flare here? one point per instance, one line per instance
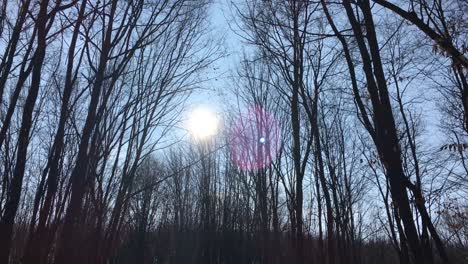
(255, 139)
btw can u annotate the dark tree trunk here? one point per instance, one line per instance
(67, 251)
(8, 219)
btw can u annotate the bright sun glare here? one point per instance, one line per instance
(202, 123)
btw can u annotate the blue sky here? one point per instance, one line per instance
(214, 91)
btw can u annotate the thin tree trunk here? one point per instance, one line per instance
(8, 219)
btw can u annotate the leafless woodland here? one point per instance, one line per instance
(358, 153)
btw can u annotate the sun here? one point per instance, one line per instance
(202, 123)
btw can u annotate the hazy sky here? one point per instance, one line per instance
(215, 92)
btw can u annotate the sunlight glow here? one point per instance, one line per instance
(202, 123)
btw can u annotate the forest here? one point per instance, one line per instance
(339, 133)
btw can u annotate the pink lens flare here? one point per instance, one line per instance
(255, 139)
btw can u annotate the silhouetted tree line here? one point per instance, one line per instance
(328, 151)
